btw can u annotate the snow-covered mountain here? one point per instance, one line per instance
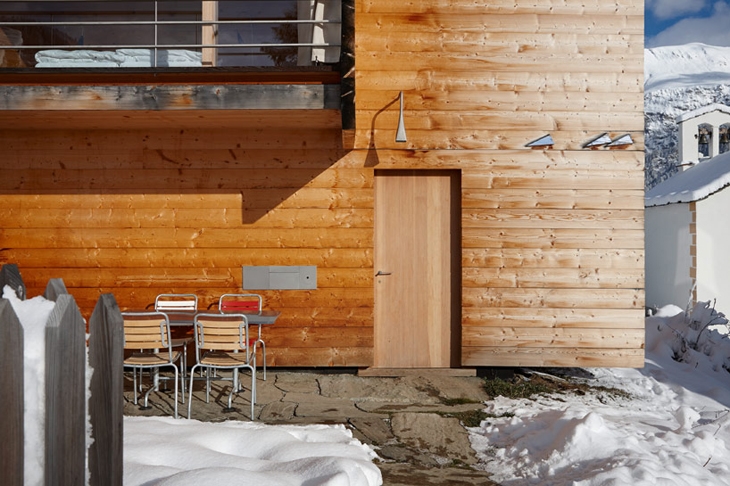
(678, 79)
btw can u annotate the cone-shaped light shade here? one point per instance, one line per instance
(400, 135)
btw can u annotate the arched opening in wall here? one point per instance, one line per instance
(704, 140)
(724, 145)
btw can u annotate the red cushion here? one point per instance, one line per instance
(239, 305)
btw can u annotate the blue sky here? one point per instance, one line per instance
(667, 22)
(676, 22)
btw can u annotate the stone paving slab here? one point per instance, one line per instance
(408, 420)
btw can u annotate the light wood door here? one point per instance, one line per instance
(416, 265)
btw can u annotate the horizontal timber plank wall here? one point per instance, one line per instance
(138, 212)
(552, 240)
(552, 249)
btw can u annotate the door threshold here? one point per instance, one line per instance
(395, 372)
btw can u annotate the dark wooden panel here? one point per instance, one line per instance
(171, 97)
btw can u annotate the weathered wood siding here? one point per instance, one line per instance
(138, 212)
(140, 203)
(552, 241)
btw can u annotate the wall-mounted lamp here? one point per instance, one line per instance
(597, 142)
(544, 142)
(400, 135)
(622, 142)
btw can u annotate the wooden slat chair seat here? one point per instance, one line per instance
(147, 336)
(245, 303)
(176, 305)
(182, 303)
(222, 343)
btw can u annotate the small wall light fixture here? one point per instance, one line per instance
(544, 142)
(400, 135)
(620, 143)
(597, 142)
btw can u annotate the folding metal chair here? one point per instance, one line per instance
(180, 309)
(222, 343)
(147, 336)
(246, 304)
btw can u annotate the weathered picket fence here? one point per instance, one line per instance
(65, 394)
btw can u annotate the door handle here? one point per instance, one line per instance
(382, 273)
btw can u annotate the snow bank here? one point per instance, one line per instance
(33, 315)
(674, 430)
(165, 451)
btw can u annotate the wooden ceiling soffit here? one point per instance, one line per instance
(170, 97)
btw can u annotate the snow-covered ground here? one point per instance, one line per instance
(674, 429)
(167, 452)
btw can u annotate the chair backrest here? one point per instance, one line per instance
(176, 302)
(237, 303)
(221, 332)
(146, 330)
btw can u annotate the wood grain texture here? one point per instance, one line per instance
(496, 80)
(550, 258)
(576, 338)
(553, 356)
(530, 21)
(65, 394)
(12, 455)
(554, 297)
(622, 278)
(413, 248)
(548, 238)
(501, 6)
(150, 200)
(553, 199)
(106, 356)
(533, 318)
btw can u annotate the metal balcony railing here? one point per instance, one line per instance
(150, 33)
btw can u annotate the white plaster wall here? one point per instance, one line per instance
(688, 129)
(713, 245)
(668, 259)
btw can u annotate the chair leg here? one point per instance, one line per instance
(184, 370)
(190, 397)
(134, 374)
(154, 386)
(263, 348)
(207, 385)
(234, 389)
(176, 387)
(263, 355)
(253, 391)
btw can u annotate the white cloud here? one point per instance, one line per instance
(667, 9)
(711, 30)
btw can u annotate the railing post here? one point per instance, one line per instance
(65, 455)
(106, 405)
(11, 396)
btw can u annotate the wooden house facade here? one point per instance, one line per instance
(461, 246)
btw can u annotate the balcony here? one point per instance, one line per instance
(86, 34)
(174, 55)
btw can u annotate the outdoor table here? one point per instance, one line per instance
(187, 318)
